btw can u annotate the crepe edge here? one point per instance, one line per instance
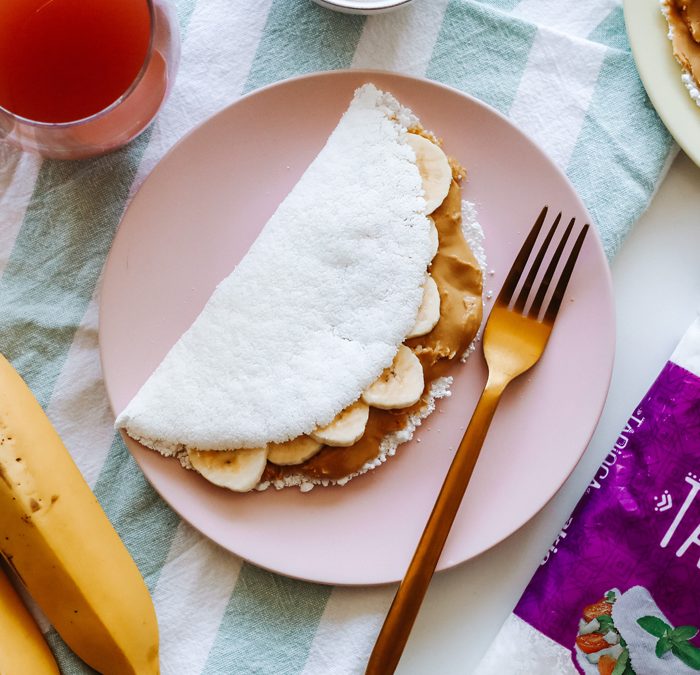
(440, 388)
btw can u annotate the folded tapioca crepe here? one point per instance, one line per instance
(330, 335)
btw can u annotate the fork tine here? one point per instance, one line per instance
(527, 286)
(559, 291)
(516, 270)
(549, 274)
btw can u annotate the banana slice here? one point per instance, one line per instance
(238, 470)
(400, 385)
(429, 311)
(296, 451)
(434, 239)
(434, 170)
(347, 427)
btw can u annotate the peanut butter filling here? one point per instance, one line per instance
(684, 21)
(459, 281)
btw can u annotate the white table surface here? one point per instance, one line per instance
(656, 280)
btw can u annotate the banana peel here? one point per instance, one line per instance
(22, 647)
(58, 540)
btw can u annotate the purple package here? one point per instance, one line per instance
(618, 593)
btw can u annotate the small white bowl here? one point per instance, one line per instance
(363, 6)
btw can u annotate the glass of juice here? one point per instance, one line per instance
(80, 78)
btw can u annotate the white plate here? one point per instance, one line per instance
(648, 34)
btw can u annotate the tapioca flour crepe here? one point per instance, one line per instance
(327, 344)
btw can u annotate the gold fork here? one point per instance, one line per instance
(514, 339)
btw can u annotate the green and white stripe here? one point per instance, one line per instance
(401, 41)
(216, 613)
(18, 173)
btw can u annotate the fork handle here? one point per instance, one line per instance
(409, 596)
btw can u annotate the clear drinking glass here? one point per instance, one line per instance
(123, 119)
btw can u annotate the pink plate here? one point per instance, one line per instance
(195, 217)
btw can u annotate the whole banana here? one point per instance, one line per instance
(57, 538)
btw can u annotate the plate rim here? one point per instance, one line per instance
(673, 105)
(358, 7)
(607, 282)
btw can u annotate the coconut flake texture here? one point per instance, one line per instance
(691, 86)
(315, 310)
(440, 388)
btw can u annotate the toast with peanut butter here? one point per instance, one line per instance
(320, 353)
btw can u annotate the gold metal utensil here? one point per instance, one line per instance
(515, 336)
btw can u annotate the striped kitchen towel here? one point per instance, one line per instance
(560, 69)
